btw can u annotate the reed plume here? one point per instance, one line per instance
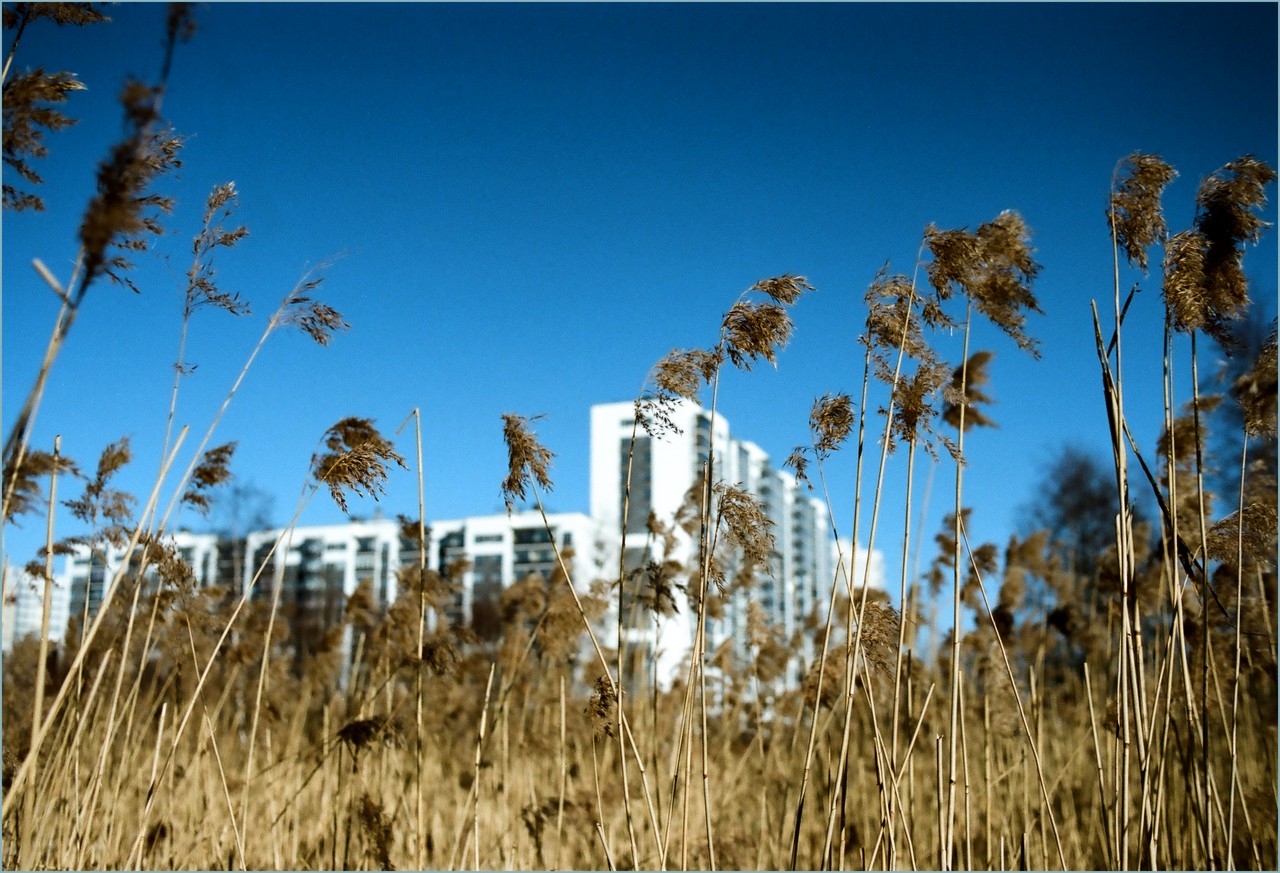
(1204, 284)
(1135, 205)
(528, 460)
(356, 460)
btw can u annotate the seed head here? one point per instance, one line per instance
(892, 323)
(317, 320)
(798, 462)
(20, 485)
(30, 101)
(992, 267)
(745, 524)
(965, 390)
(785, 289)
(378, 831)
(527, 459)
(680, 374)
(212, 471)
(356, 460)
(1210, 289)
(683, 372)
(201, 289)
(1135, 205)
(914, 407)
(119, 216)
(600, 707)
(830, 421)
(1185, 289)
(879, 634)
(1255, 391)
(361, 733)
(752, 331)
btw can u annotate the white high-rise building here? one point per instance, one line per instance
(327, 560)
(856, 563)
(24, 606)
(662, 470)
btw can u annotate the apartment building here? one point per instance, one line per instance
(317, 569)
(86, 572)
(485, 554)
(24, 606)
(634, 474)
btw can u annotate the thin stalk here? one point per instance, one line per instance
(621, 648)
(47, 603)
(1235, 679)
(1206, 637)
(204, 675)
(564, 778)
(24, 18)
(939, 769)
(277, 584)
(276, 320)
(987, 776)
(854, 648)
(968, 816)
(1102, 783)
(84, 709)
(15, 445)
(112, 723)
(700, 644)
(226, 792)
(178, 364)
(604, 663)
(419, 786)
(902, 625)
(16, 442)
(956, 678)
(595, 772)
(484, 715)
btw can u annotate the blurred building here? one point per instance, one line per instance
(485, 554)
(87, 572)
(24, 606)
(318, 568)
(645, 517)
(635, 474)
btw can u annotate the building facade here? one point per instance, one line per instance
(86, 571)
(636, 476)
(317, 569)
(485, 554)
(24, 606)
(645, 520)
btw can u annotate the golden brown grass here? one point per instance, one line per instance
(1119, 718)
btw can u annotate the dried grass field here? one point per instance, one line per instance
(1111, 706)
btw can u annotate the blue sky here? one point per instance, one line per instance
(530, 204)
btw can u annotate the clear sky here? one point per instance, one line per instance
(533, 203)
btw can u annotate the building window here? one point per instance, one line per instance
(526, 535)
(641, 498)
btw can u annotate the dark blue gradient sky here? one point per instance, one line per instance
(530, 204)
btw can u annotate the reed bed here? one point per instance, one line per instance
(1123, 718)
